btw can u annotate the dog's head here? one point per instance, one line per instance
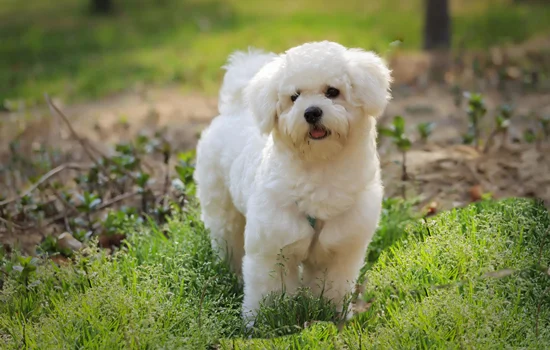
(315, 96)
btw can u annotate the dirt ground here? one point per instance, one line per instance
(444, 173)
(121, 117)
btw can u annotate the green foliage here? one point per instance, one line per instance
(25, 268)
(469, 137)
(476, 111)
(425, 130)
(118, 221)
(88, 202)
(472, 276)
(502, 123)
(502, 119)
(468, 276)
(529, 135)
(185, 168)
(545, 126)
(142, 180)
(283, 314)
(50, 247)
(100, 199)
(156, 293)
(397, 133)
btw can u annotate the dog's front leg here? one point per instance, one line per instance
(333, 265)
(266, 274)
(333, 274)
(276, 241)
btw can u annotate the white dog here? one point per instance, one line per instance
(288, 175)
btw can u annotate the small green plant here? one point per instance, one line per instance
(185, 169)
(425, 130)
(502, 123)
(529, 135)
(89, 202)
(25, 268)
(397, 133)
(476, 111)
(50, 247)
(117, 221)
(100, 197)
(544, 123)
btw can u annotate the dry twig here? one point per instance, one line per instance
(83, 142)
(10, 223)
(117, 199)
(85, 145)
(45, 178)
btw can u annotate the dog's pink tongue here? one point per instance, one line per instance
(318, 133)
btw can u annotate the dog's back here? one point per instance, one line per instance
(222, 147)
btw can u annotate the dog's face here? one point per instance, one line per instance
(316, 95)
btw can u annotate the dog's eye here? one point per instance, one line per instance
(332, 92)
(295, 96)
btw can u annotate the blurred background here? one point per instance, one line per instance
(84, 49)
(472, 82)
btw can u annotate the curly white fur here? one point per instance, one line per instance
(260, 173)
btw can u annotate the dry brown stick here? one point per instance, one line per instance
(80, 140)
(490, 140)
(67, 213)
(117, 199)
(87, 146)
(10, 223)
(45, 178)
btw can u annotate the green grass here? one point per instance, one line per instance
(56, 47)
(433, 285)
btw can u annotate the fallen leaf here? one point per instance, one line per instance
(104, 241)
(59, 259)
(109, 241)
(476, 192)
(432, 209)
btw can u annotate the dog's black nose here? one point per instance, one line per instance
(313, 114)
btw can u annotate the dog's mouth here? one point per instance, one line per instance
(318, 132)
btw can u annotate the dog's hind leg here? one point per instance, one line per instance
(226, 225)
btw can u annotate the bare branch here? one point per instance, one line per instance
(86, 146)
(117, 199)
(45, 178)
(10, 223)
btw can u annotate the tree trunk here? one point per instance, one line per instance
(437, 25)
(101, 6)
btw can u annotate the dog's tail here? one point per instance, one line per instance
(240, 69)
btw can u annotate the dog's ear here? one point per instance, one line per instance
(370, 81)
(262, 95)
